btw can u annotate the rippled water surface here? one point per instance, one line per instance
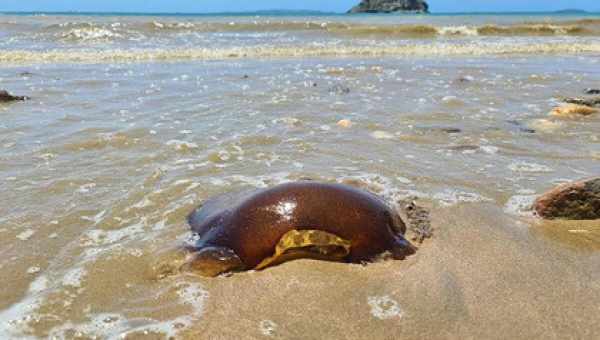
(134, 121)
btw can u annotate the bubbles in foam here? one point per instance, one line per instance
(86, 188)
(96, 218)
(182, 145)
(528, 167)
(320, 50)
(490, 149)
(267, 327)
(15, 319)
(384, 307)
(98, 237)
(451, 197)
(26, 235)
(520, 205)
(192, 294)
(381, 135)
(90, 34)
(74, 277)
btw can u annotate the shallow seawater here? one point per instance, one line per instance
(100, 168)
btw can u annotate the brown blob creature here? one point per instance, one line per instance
(295, 220)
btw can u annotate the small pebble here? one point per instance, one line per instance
(344, 123)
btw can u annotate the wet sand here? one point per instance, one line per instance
(483, 275)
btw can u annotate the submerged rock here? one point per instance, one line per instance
(6, 97)
(389, 6)
(574, 201)
(520, 127)
(591, 91)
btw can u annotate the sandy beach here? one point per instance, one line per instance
(133, 121)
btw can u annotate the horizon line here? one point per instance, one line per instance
(298, 11)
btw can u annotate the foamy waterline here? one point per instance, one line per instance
(415, 50)
(84, 31)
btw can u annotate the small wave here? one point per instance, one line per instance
(464, 30)
(244, 26)
(534, 30)
(90, 34)
(85, 31)
(325, 50)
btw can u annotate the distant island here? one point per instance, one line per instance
(390, 6)
(570, 11)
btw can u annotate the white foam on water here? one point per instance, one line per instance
(145, 202)
(74, 277)
(490, 149)
(39, 284)
(381, 135)
(182, 145)
(90, 34)
(96, 218)
(160, 225)
(403, 180)
(106, 326)
(15, 319)
(99, 237)
(86, 188)
(529, 167)
(117, 326)
(521, 205)
(384, 307)
(261, 181)
(451, 197)
(314, 50)
(192, 186)
(25, 235)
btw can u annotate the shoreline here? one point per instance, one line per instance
(101, 166)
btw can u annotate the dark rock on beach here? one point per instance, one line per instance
(339, 89)
(6, 97)
(438, 129)
(417, 219)
(591, 101)
(572, 201)
(389, 6)
(464, 80)
(591, 91)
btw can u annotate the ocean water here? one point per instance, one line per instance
(136, 119)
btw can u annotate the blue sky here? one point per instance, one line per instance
(251, 5)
